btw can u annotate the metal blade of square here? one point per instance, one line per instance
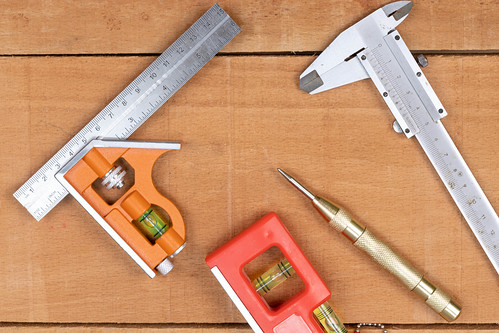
(135, 104)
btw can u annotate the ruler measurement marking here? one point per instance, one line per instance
(392, 88)
(112, 119)
(378, 76)
(466, 202)
(442, 153)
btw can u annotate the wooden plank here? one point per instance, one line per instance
(95, 26)
(239, 119)
(58, 329)
(111, 329)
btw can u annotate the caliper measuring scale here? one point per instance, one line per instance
(373, 48)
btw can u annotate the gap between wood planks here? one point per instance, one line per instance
(251, 54)
(236, 326)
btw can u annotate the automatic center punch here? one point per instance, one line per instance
(363, 239)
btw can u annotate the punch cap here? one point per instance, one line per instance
(451, 311)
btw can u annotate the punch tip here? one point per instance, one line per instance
(297, 185)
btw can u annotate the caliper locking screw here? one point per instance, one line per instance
(422, 61)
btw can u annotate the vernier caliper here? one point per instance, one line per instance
(372, 48)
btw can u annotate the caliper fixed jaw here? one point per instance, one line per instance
(338, 65)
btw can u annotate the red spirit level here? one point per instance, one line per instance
(295, 314)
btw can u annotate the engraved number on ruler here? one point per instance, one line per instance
(135, 104)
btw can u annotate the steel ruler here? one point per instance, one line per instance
(411, 99)
(135, 104)
(373, 48)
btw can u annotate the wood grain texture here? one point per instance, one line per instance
(111, 329)
(149, 26)
(239, 119)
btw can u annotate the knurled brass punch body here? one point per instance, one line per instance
(363, 239)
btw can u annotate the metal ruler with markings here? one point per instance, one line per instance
(135, 104)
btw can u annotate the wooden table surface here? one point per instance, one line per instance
(242, 116)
